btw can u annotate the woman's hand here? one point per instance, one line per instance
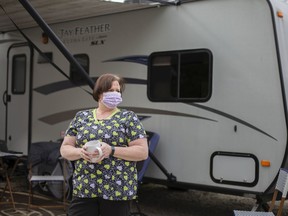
(106, 149)
(92, 157)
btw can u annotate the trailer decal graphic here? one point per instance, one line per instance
(232, 118)
(67, 84)
(140, 59)
(69, 114)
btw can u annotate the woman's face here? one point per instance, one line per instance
(115, 87)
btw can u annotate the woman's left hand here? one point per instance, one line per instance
(106, 150)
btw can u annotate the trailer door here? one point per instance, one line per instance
(19, 98)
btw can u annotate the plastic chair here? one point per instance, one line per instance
(153, 139)
(53, 177)
(281, 186)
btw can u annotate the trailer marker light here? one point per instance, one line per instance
(265, 163)
(280, 14)
(45, 38)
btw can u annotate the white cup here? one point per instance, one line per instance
(92, 146)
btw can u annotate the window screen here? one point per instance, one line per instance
(83, 60)
(18, 74)
(180, 76)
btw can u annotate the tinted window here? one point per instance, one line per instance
(180, 76)
(18, 74)
(83, 60)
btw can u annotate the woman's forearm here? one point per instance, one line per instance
(137, 151)
(70, 152)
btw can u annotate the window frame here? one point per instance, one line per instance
(178, 54)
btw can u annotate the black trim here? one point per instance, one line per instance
(31, 73)
(235, 154)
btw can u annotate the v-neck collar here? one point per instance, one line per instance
(109, 117)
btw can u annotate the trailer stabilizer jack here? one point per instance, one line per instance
(169, 176)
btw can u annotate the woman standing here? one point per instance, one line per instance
(107, 186)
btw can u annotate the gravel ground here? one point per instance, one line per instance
(157, 200)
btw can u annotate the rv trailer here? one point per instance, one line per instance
(210, 77)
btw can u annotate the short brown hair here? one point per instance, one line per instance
(104, 83)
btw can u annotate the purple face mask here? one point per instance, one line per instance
(111, 99)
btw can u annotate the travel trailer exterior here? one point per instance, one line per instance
(210, 77)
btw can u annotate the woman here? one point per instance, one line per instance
(105, 187)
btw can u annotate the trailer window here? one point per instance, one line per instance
(83, 60)
(180, 76)
(18, 74)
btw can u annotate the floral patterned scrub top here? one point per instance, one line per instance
(112, 178)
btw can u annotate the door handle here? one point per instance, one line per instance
(6, 98)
